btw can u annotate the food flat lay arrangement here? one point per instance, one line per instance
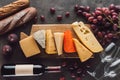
(59, 40)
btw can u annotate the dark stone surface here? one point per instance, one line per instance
(43, 7)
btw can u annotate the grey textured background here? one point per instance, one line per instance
(43, 7)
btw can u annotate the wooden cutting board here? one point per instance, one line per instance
(53, 27)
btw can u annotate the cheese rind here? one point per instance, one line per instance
(59, 42)
(87, 37)
(39, 36)
(29, 46)
(50, 44)
(23, 35)
(83, 53)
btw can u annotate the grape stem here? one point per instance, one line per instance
(119, 20)
(109, 18)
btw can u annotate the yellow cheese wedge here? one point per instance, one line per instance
(23, 35)
(59, 42)
(87, 37)
(29, 46)
(83, 53)
(50, 44)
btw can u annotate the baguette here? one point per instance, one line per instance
(17, 19)
(13, 7)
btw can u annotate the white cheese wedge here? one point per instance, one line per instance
(83, 53)
(50, 44)
(87, 37)
(39, 36)
(59, 42)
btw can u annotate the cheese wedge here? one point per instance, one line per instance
(23, 35)
(59, 42)
(29, 46)
(83, 53)
(87, 37)
(39, 36)
(50, 44)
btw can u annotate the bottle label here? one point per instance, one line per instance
(23, 70)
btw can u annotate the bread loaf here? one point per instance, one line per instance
(14, 7)
(17, 19)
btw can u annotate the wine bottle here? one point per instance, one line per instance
(11, 70)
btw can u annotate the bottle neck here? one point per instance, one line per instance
(52, 69)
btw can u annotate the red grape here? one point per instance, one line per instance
(59, 17)
(42, 18)
(110, 35)
(98, 12)
(107, 12)
(79, 12)
(100, 35)
(112, 7)
(52, 10)
(87, 15)
(99, 18)
(87, 9)
(114, 18)
(62, 78)
(115, 27)
(99, 9)
(76, 7)
(114, 13)
(104, 9)
(93, 27)
(95, 21)
(84, 13)
(12, 38)
(93, 13)
(117, 7)
(67, 14)
(90, 19)
(7, 49)
(82, 8)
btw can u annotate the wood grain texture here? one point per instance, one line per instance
(54, 28)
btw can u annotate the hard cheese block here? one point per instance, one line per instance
(87, 37)
(59, 42)
(29, 46)
(23, 35)
(83, 53)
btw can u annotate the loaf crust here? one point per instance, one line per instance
(17, 19)
(13, 7)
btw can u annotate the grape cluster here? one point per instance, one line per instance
(76, 69)
(103, 20)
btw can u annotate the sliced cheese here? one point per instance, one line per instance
(23, 35)
(83, 53)
(59, 42)
(39, 36)
(50, 44)
(29, 46)
(87, 37)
